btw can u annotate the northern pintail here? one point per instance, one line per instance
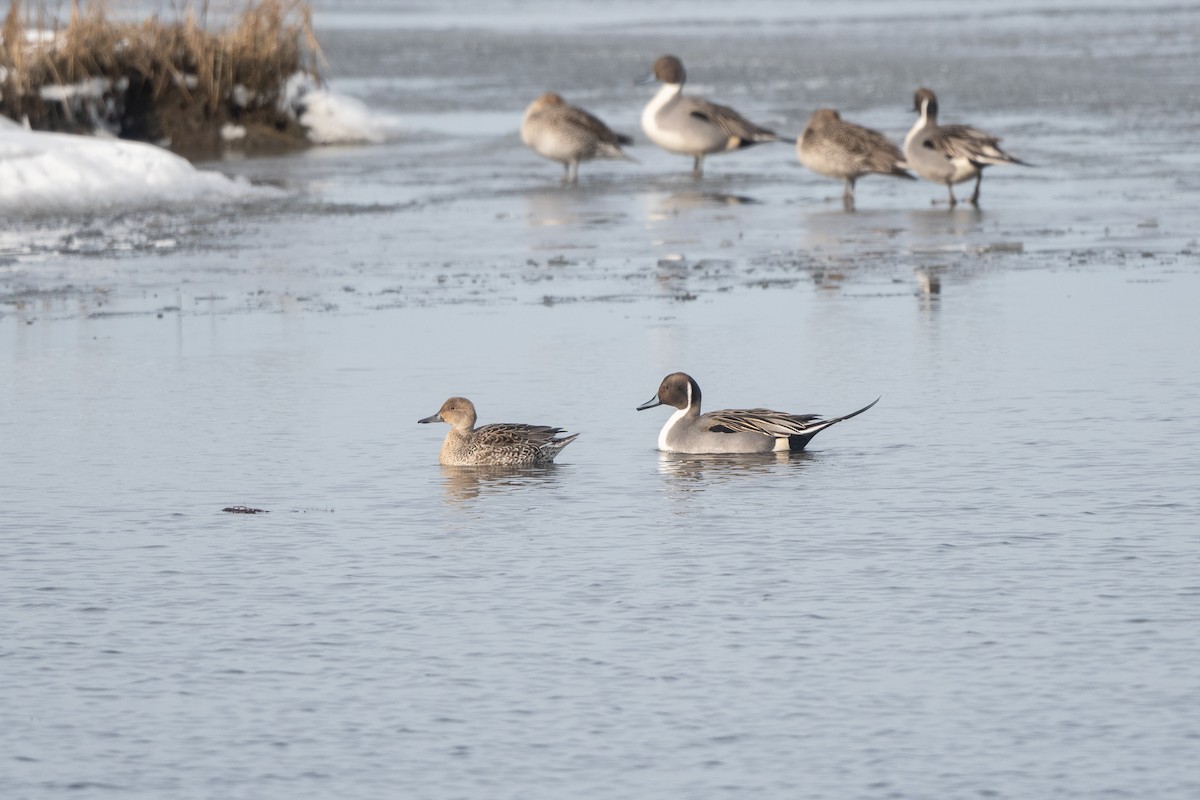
(838, 149)
(501, 445)
(950, 154)
(568, 134)
(691, 125)
(753, 430)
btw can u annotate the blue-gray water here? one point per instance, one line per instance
(986, 586)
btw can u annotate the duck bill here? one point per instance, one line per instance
(434, 418)
(651, 403)
(642, 80)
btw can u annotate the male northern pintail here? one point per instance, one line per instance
(950, 154)
(838, 149)
(568, 134)
(500, 445)
(693, 126)
(753, 430)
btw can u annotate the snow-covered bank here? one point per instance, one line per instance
(58, 172)
(65, 173)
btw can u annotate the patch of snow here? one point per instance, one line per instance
(58, 172)
(231, 133)
(92, 89)
(332, 118)
(40, 36)
(242, 96)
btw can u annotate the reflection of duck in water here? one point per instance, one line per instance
(501, 444)
(567, 134)
(675, 202)
(929, 283)
(469, 483)
(710, 468)
(752, 430)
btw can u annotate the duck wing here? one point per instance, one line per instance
(971, 144)
(509, 434)
(730, 122)
(590, 125)
(758, 420)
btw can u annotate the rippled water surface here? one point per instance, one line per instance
(985, 586)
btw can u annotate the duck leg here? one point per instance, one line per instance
(950, 190)
(848, 195)
(698, 167)
(975, 195)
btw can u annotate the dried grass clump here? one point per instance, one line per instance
(177, 83)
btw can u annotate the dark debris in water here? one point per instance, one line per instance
(252, 510)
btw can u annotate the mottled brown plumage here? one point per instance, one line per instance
(836, 148)
(497, 445)
(561, 132)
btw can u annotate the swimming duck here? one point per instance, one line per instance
(502, 444)
(753, 430)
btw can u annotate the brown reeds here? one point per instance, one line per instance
(173, 82)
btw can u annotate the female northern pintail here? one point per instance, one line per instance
(950, 154)
(561, 132)
(839, 149)
(752, 430)
(502, 445)
(691, 125)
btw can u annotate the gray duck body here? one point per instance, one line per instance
(950, 154)
(694, 126)
(730, 431)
